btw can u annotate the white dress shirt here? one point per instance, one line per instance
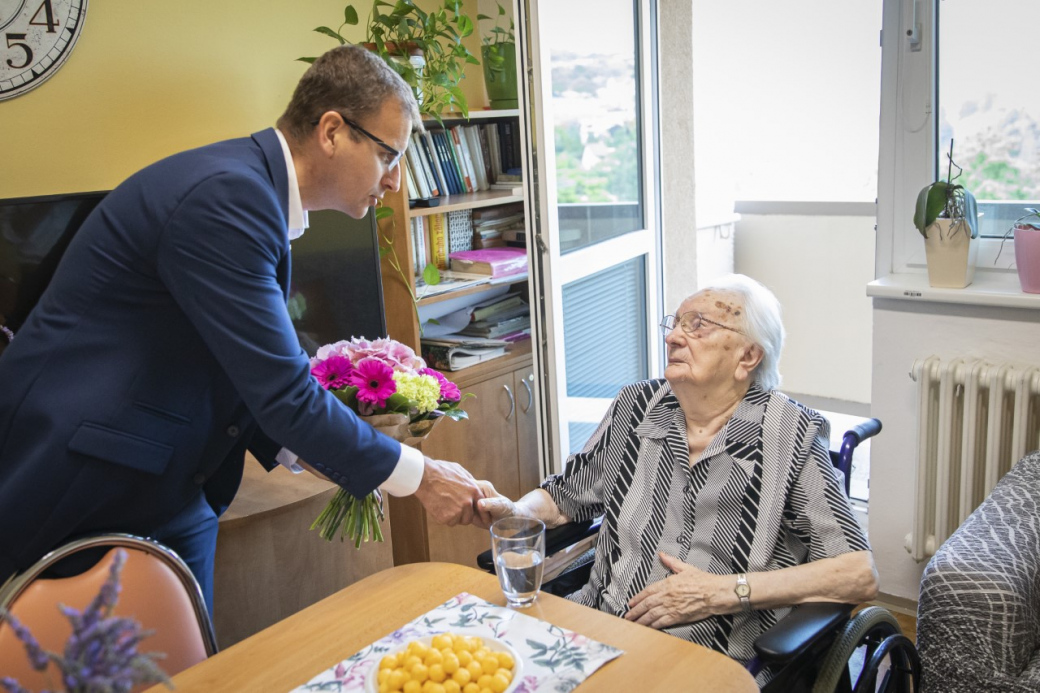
(405, 478)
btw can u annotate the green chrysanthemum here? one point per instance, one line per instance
(424, 390)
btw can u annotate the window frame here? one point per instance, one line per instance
(907, 152)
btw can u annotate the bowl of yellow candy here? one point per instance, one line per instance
(447, 663)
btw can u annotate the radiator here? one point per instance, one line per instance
(975, 420)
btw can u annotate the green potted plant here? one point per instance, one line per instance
(425, 48)
(947, 216)
(499, 56)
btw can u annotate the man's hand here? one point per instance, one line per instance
(448, 492)
(687, 595)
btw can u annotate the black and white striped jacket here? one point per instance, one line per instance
(762, 496)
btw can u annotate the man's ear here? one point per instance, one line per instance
(749, 360)
(325, 132)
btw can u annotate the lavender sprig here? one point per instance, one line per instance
(101, 654)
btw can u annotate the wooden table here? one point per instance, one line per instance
(291, 652)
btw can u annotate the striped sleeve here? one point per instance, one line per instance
(818, 513)
(578, 491)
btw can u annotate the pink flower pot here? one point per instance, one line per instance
(1027, 258)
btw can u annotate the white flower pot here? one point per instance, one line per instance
(951, 252)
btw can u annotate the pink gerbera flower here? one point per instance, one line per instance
(374, 380)
(449, 390)
(334, 372)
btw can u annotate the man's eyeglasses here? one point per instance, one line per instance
(691, 322)
(391, 156)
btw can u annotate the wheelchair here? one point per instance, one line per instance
(818, 647)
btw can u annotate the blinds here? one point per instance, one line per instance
(604, 330)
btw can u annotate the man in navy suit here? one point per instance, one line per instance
(163, 350)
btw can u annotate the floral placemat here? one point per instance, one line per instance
(555, 659)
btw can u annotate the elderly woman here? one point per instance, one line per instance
(722, 509)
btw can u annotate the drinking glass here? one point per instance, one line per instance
(518, 546)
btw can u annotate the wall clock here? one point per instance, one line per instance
(36, 38)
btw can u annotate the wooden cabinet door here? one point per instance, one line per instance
(485, 444)
(526, 430)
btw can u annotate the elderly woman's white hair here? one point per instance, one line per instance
(761, 322)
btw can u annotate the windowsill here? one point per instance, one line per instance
(990, 288)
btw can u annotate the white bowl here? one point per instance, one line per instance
(493, 644)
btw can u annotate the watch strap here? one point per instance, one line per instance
(743, 592)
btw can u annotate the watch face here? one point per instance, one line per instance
(743, 590)
(36, 37)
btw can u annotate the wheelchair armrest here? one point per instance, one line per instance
(867, 429)
(799, 630)
(556, 539)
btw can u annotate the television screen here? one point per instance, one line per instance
(336, 291)
(34, 232)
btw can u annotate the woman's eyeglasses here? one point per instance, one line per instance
(690, 322)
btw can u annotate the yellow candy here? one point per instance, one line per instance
(436, 673)
(413, 687)
(499, 683)
(420, 673)
(450, 663)
(462, 676)
(475, 668)
(465, 657)
(484, 681)
(505, 660)
(441, 641)
(471, 688)
(452, 686)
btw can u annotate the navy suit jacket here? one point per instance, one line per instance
(160, 352)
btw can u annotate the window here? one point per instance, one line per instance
(989, 107)
(959, 77)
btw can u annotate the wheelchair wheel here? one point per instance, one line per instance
(868, 627)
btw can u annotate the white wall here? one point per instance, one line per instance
(818, 266)
(905, 331)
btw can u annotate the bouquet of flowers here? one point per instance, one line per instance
(387, 384)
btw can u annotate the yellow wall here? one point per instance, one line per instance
(149, 78)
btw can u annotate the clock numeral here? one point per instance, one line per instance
(14, 41)
(48, 21)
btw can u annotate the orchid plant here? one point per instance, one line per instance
(101, 654)
(375, 378)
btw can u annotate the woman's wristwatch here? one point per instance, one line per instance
(743, 592)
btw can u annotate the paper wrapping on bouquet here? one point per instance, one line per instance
(398, 427)
(554, 659)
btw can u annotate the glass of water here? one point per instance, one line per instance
(518, 545)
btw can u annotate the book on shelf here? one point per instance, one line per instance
(462, 154)
(476, 156)
(453, 356)
(494, 262)
(450, 281)
(439, 242)
(429, 151)
(489, 309)
(497, 328)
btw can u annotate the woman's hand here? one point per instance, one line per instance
(687, 595)
(493, 506)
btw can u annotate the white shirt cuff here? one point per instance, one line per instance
(404, 480)
(287, 458)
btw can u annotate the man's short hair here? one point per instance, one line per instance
(350, 80)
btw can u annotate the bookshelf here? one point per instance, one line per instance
(504, 411)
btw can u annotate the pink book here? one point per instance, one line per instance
(496, 262)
